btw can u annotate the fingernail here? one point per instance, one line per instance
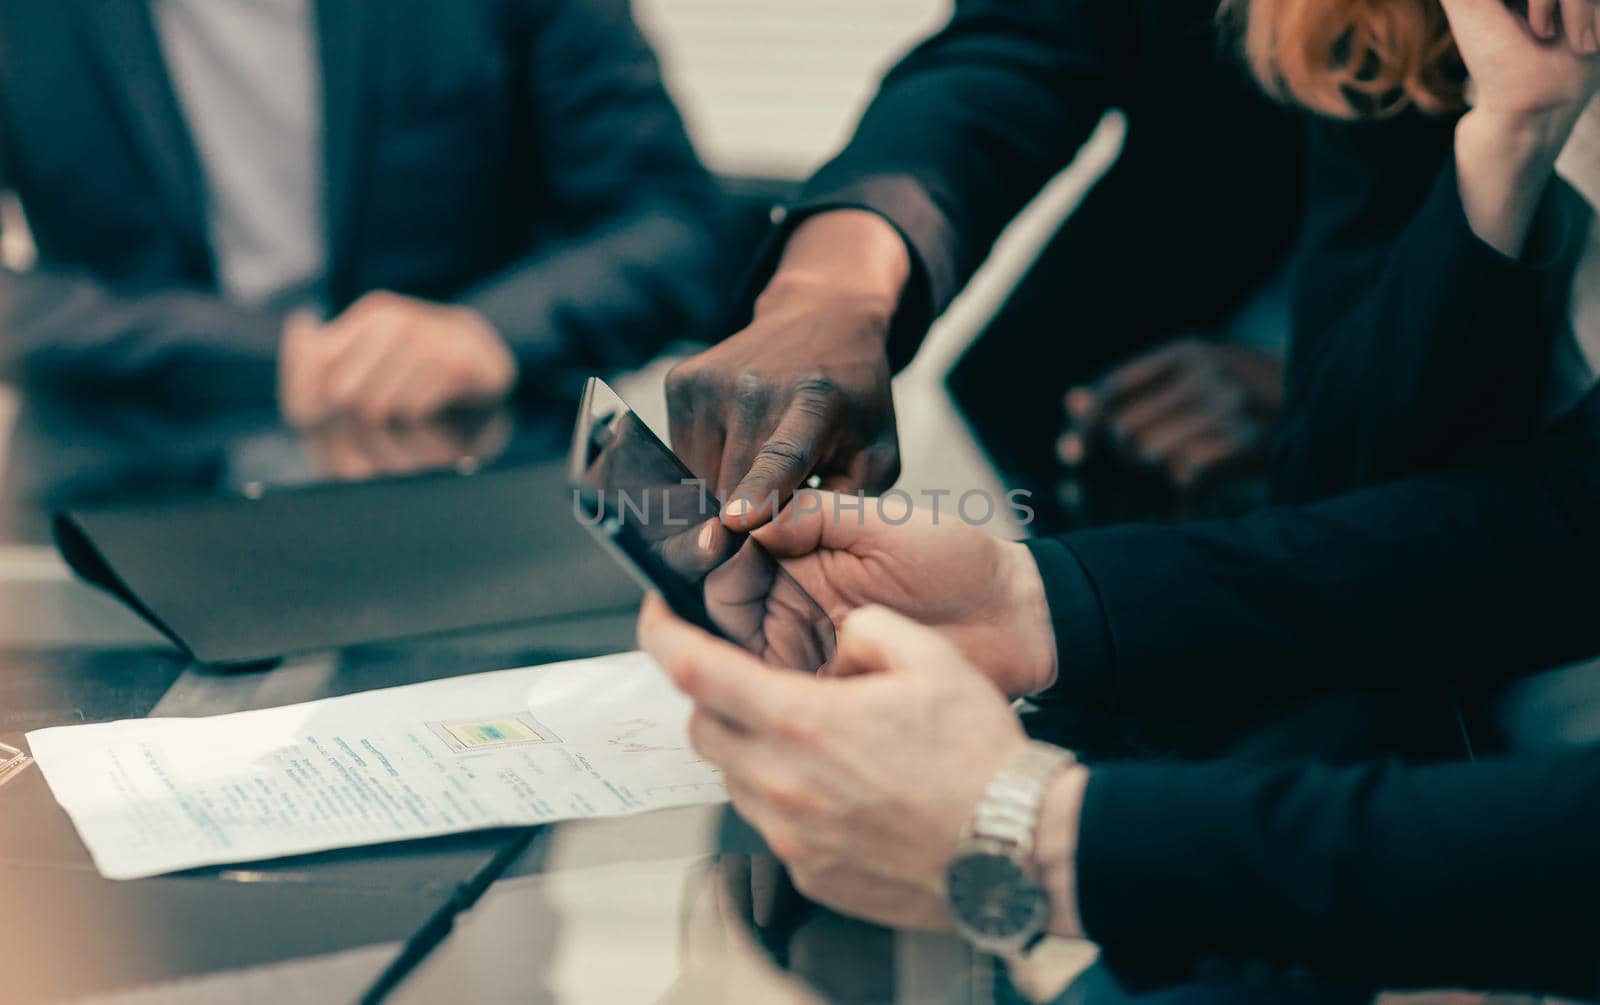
(1070, 449)
(708, 536)
(1080, 401)
(736, 508)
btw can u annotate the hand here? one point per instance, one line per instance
(1192, 409)
(805, 388)
(860, 783)
(1541, 65)
(983, 594)
(1532, 80)
(390, 358)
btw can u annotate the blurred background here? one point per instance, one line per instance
(770, 88)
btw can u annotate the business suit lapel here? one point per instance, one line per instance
(343, 30)
(129, 58)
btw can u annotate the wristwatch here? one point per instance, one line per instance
(992, 886)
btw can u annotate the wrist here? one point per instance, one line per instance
(1056, 849)
(1533, 137)
(471, 317)
(1010, 881)
(852, 255)
(504, 360)
(1504, 160)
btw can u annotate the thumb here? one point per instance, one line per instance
(800, 528)
(814, 521)
(877, 640)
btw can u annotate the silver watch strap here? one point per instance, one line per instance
(1009, 809)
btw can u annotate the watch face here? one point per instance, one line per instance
(991, 895)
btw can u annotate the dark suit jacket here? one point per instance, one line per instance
(518, 156)
(1417, 349)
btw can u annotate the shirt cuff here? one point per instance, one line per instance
(1084, 657)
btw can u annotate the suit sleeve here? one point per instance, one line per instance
(59, 325)
(967, 128)
(1480, 875)
(1416, 344)
(1460, 578)
(62, 327)
(630, 265)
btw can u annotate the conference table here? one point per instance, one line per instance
(677, 905)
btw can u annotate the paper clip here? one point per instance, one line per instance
(12, 761)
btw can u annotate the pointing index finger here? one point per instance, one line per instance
(784, 461)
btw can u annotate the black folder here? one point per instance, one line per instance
(243, 580)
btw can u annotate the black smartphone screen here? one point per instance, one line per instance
(648, 508)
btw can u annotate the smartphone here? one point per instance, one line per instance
(645, 507)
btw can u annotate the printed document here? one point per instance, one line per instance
(589, 738)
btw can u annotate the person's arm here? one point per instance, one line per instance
(1415, 342)
(58, 325)
(963, 132)
(1445, 580)
(1476, 875)
(862, 779)
(1437, 267)
(968, 127)
(630, 265)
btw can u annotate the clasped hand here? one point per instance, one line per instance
(391, 358)
(861, 778)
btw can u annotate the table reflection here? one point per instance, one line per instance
(686, 907)
(78, 451)
(349, 450)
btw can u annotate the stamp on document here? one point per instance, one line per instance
(470, 736)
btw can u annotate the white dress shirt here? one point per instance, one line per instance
(248, 80)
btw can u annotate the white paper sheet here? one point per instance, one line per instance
(600, 737)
